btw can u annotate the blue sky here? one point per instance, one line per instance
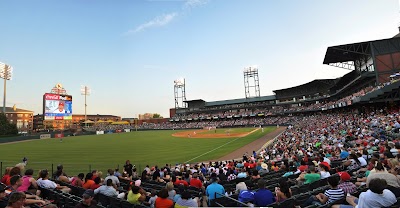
(130, 51)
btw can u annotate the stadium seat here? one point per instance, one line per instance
(225, 202)
(126, 204)
(115, 202)
(304, 188)
(77, 191)
(103, 199)
(314, 185)
(301, 198)
(288, 203)
(323, 182)
(295, 190)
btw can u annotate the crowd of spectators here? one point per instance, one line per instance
(356, 153)
(255, 108)
(349, 150)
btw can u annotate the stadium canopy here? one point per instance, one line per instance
(356, 56)
(310, 88)
(241, 100)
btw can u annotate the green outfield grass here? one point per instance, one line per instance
(100, 152)
(233, 130)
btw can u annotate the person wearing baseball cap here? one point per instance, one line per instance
(324, 168)
(345, 183)
(87, 200)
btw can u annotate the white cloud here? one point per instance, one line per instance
(167, 18)
(190, 4)
(156, 22)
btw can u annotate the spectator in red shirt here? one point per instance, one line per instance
(162, 200)
(6, 175)
(88, 181)
(14, 171)
(96, 183)
(178, 182)
(196, 182)
(303, 166)
(95, 174)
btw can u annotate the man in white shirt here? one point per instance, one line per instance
(107, 190)
(376, 196)
(44, 182)
(60, 109)
(363, 162)
(111, 176)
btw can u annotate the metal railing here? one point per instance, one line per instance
(241, 204)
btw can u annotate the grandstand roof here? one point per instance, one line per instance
(398, 35)
(315, 86)
(17, 110)
(358, 51)
(348, 52)
(197, 100)
(240, 100)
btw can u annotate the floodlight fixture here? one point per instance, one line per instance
(86, 91)
(179, 82)
(6, 74)
(250, 69)
(180, 93)
(6, 71)
(251, 81)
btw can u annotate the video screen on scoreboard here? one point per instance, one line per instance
(57, 107)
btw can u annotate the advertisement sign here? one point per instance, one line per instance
(58, 135)
(45, 136)
(99, 132)
(127, 130)
(57, 107)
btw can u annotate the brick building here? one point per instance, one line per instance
(21, 117)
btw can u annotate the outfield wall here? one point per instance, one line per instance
(40, 136)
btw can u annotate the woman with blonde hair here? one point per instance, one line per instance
(392, 181)
(171, 191)
(21, 166)
(393, 164)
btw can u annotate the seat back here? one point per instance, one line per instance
(103, 199)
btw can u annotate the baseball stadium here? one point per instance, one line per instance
(325, 143)
(335, 129)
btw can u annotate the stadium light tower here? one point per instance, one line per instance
(86, 92)
(6, 74)
(251, 80)
(180, 93)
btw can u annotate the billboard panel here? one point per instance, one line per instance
(57, 107)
